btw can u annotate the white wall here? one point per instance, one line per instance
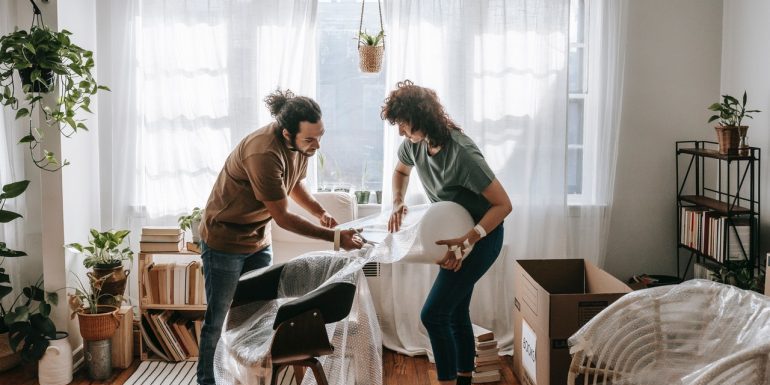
(672, 75)
(746, 66)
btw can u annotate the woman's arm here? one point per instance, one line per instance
(500, 208)
(400, 183)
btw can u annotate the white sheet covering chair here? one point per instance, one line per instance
(696, 333)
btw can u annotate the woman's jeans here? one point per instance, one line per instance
(221, 272)
(446, 313)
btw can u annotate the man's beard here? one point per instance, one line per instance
(295, 148)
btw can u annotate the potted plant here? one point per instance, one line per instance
(46, 60)
(24, 325)
(192, 221)
(730, 113)
(740, 274)
(106, 253)
(28, 326)
(371, 49)
(96, 321)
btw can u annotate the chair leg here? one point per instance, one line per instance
(318, 372)
(299, 373)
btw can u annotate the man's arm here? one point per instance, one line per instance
(297, 224)
(302, 196)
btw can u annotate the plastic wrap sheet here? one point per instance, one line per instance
(243, 351)
(698, 332)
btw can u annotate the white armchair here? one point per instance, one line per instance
(287, 245)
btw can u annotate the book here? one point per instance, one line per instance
(481, 334)
(161, 246)
(486, 345)
(161, 230)
(491, 376)
(161, 238)
(193, 247)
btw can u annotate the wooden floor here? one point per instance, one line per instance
(398, 369)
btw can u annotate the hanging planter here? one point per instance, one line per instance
(371, 48)
(46, 61)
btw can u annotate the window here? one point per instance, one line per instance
(351, 150)
(578, 68)
(351, 101)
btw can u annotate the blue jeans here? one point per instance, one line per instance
(221, 272)
(446, 313)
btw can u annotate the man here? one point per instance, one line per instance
(264, 169)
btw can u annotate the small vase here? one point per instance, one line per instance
(743, 147)
(55, 368)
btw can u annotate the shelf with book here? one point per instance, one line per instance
(171, 305)
(718, 206)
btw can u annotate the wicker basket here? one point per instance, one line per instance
(99, 326)
(729, 138)
(371, 58)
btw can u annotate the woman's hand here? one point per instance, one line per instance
(453, 259)
(397, 217)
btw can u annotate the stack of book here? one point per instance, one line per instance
(161, 238)
(488, 363)
(172, 336)
(174, 284)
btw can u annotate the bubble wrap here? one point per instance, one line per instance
(243, 352)
(698, 332)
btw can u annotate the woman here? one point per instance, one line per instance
(451, 168)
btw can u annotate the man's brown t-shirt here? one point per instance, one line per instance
(260, 169)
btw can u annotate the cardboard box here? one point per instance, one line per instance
(123, 339)
(552, 300)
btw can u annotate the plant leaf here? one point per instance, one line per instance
(12, 190)
(7, 216)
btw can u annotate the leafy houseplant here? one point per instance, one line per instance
(105, 249)
(105, 254)
(97, 321)
(371, 48)
(46, 60)
(739, 274)
(27, 319)
(191, 222)
(730, 113)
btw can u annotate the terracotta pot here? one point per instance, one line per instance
(728, 137)
(99, 326)
(8, 359)
(115, 285)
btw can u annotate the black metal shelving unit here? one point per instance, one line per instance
(727, 186)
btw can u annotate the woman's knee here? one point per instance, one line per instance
(431, 316)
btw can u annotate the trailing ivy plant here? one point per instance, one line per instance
(45, 61)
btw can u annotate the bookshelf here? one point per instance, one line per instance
(151, 310)
(717, 207)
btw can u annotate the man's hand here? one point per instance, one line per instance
(450, 260)
(349, 239)
(327, 220)
(397, 217)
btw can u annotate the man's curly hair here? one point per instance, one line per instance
(420, 107)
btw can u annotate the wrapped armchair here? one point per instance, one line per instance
(699, 332)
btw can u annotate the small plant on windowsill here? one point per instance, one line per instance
(191, 222)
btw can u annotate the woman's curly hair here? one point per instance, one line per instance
(420, 107)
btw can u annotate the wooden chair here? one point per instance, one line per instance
(299, 336)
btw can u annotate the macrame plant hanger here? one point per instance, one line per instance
(371, 55)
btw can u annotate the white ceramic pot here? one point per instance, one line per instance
(55, 368)
(196, 234)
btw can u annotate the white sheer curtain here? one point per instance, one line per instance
(11, 170)
(500, 69)
(588, 230)
(188, 84)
